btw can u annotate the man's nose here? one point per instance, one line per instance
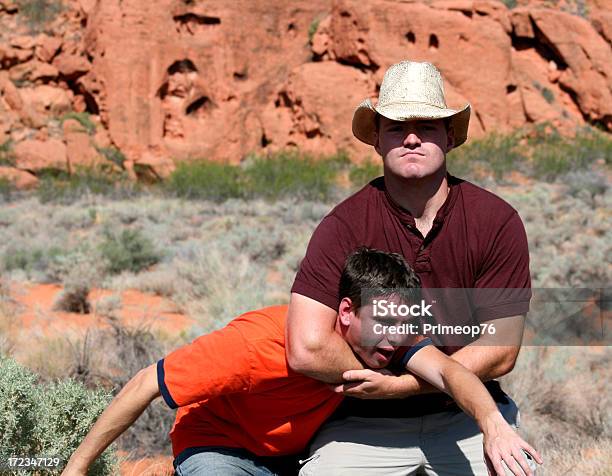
(412, 138)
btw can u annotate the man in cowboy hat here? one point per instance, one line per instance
(455, 235)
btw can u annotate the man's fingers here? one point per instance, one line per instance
(521, 459)
(512, 464)
(354, 375)
(347, 388)
(499, 469)
(531, 450)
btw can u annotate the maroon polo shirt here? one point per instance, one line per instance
(477, 241)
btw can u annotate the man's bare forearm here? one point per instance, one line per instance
(125, 408)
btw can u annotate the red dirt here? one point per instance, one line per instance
(35, 310)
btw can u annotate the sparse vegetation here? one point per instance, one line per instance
(6, 189)
(543, 154)
(362, 173)
(264, 237)
(312, 28)
(129, 250)
(113, 155)
(271, 177)
(204, 180)
(39, 13)
(65, 188)
(290, 173)
(82, 118)
(6, 154)
(47, 419)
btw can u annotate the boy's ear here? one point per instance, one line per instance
(346, 311)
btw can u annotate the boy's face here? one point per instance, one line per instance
(357, 328)
(413, 149)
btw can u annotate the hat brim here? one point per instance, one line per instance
(364, 118)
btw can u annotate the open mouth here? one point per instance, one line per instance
(386, 354)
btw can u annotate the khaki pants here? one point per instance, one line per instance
(441, 444)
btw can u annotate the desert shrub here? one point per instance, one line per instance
(312, 28)
(362, 173)
(6, 189)
(38, 13)
(82, 118)
(129, 250)
(67, 188)
(289, 173)
(555, 155)
(109, 358)
(47, 419)
(37, 260)
(204, 181)
(112, 154)
(585, 183)
(563, 394)
(272, 177)
(74, 299)
(494, 154)
(6, 153)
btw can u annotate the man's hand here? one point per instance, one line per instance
(502, 443)
(370, 384)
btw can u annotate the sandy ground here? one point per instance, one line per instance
(35, 316)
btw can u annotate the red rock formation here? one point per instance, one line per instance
(174, 79)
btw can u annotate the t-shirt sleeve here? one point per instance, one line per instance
(212, 365)
(319, 274)
(503, 285)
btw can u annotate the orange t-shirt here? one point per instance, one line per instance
(235, 389)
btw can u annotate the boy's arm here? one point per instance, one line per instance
(125, 408)
(500, 441)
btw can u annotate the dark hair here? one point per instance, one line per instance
(375, 273)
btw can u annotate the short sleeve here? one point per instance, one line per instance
(319, 274)
(212, 365)
(503, 284)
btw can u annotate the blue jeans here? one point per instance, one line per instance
(222, 461)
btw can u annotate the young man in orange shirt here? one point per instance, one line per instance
(240, 405)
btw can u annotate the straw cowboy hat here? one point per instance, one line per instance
(410, 91)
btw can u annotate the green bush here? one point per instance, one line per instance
(204, 181)
(6, 153)
(368, 170)
(291, 174)
(82, 118)
(112, 154)
(312, 28)
(495, 154)
(6, 189)
(284, 174)
(47, 420)
(129, 250)
(30, 260)
(37, 13)
(555, 155)
(61, 187)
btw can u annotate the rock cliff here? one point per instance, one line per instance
(169, 80)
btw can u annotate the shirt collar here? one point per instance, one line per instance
(406, 217)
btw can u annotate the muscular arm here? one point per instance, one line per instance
(313, 347)
(125, 408)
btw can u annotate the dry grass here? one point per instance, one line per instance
(223, 259)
